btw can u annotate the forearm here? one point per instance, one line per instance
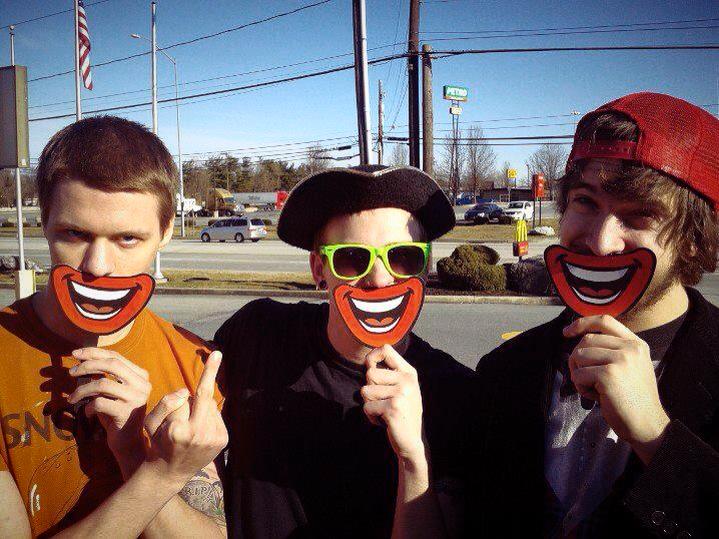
(130, 509)
(417, 511)
(178, 519)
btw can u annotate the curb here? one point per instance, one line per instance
(320, 294)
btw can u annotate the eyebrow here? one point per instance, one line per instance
(579, 184)
(73, 226)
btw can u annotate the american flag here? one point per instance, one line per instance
(84, 40)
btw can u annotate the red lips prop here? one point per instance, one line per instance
(591, 285)
(100, 305)
(382, 315)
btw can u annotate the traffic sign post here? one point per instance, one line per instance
(538, 193)
(520, 247)
(511, 175)
(455, 93)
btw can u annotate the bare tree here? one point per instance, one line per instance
(7, 187)
(316, 159)
(481, 160)
(196, 178)
(550, 160)
(453, 160)
(399, 155)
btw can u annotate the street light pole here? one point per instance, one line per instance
(18, 183)
(158, 276)
(179, 146)
(179, 152)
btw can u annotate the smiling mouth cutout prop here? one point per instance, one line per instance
(382, 315)
(100, 305)
(592, 285)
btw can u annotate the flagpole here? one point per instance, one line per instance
(78, 106)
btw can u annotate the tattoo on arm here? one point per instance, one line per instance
(205, 494)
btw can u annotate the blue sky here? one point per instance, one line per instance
(544, 87)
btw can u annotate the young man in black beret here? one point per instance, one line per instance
(326, 433)
(599, 426)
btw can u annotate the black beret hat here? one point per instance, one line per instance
(341, 191)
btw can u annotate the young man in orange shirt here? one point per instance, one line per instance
(74, 401)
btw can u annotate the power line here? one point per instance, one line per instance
(194, 40)
(221, 77)
(685, 21)
(227, 90)
(574, 32)
(242, 26)
(50, 15)
(444, 54)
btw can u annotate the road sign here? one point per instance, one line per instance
(520, 247)
(455, 93)
(511, 173)
(455, 110)
(538, 185)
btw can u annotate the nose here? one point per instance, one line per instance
(98, 259)
(606, 236)
(378, 276)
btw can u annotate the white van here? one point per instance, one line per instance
(238, 229)
(519, 209)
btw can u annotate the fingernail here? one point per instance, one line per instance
(77, 353)
(73, 370)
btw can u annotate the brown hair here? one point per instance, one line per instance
(689, 224)
(111, 154)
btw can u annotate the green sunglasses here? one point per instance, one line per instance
(350, 261)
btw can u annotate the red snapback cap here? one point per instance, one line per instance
(675, 137)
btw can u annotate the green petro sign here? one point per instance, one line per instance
(455, 93)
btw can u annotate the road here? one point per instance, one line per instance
(264, 256)
(466, 331)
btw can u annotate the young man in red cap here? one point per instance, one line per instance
(326, 426)
(603, 426)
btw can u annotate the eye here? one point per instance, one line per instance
(582, 201)
(129, 241)
(640, 220)
(74, 234)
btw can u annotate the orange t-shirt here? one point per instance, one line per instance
(60, 459)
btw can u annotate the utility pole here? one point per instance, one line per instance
(361, 79)
(18, 184)
(413, 82)
(427, 112)
(380, 121)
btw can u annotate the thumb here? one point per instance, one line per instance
(168, 404)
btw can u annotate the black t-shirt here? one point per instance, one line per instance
(303, 460)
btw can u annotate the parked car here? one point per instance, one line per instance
(236, 228)
(519, 209)
(483, 213)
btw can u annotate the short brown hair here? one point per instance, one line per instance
(690, 222)
(111, 154)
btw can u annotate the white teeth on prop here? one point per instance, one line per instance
(98, 294)
(383, 329)
(597, 276)
(377, 306)
(96, 316)
(596, 301)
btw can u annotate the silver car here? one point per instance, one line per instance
(235, 228)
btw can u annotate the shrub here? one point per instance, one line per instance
(472, 267)
(7, 224)
(530, 276)
(482, 253)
